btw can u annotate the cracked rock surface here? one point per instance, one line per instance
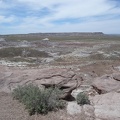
(12, 77)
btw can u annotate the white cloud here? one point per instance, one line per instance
(73, 9)
(77, 8)
(65, 9)
(5, 4)
(106, 26)
(4, 19)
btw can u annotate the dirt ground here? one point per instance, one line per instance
(13, 110)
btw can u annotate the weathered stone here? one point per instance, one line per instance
(105, 84)
(82, 88)
(76, 92)
(107, 106)
(86, 112)
(73, 108)
(116, 77)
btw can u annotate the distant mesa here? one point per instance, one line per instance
(46, 35)
(67, 34)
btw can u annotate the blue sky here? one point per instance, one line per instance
(28, 16)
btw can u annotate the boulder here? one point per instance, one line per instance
(83, 88)
(73, 108)
(106, 84)
(85, 112)
(107, 106)
(116, 77)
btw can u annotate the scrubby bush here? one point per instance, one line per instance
(22, 51)
(82, 99)
(38, 101)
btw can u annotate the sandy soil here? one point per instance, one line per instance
(13, 110)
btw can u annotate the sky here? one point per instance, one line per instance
(36, 16)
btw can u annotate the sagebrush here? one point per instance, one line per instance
(38, 101)
(82, 99)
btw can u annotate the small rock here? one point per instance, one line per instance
(76, 92)
(83, 88)
(73, 108)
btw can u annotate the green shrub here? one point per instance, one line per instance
(18, 51)
(38, 101)
(82, 99)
